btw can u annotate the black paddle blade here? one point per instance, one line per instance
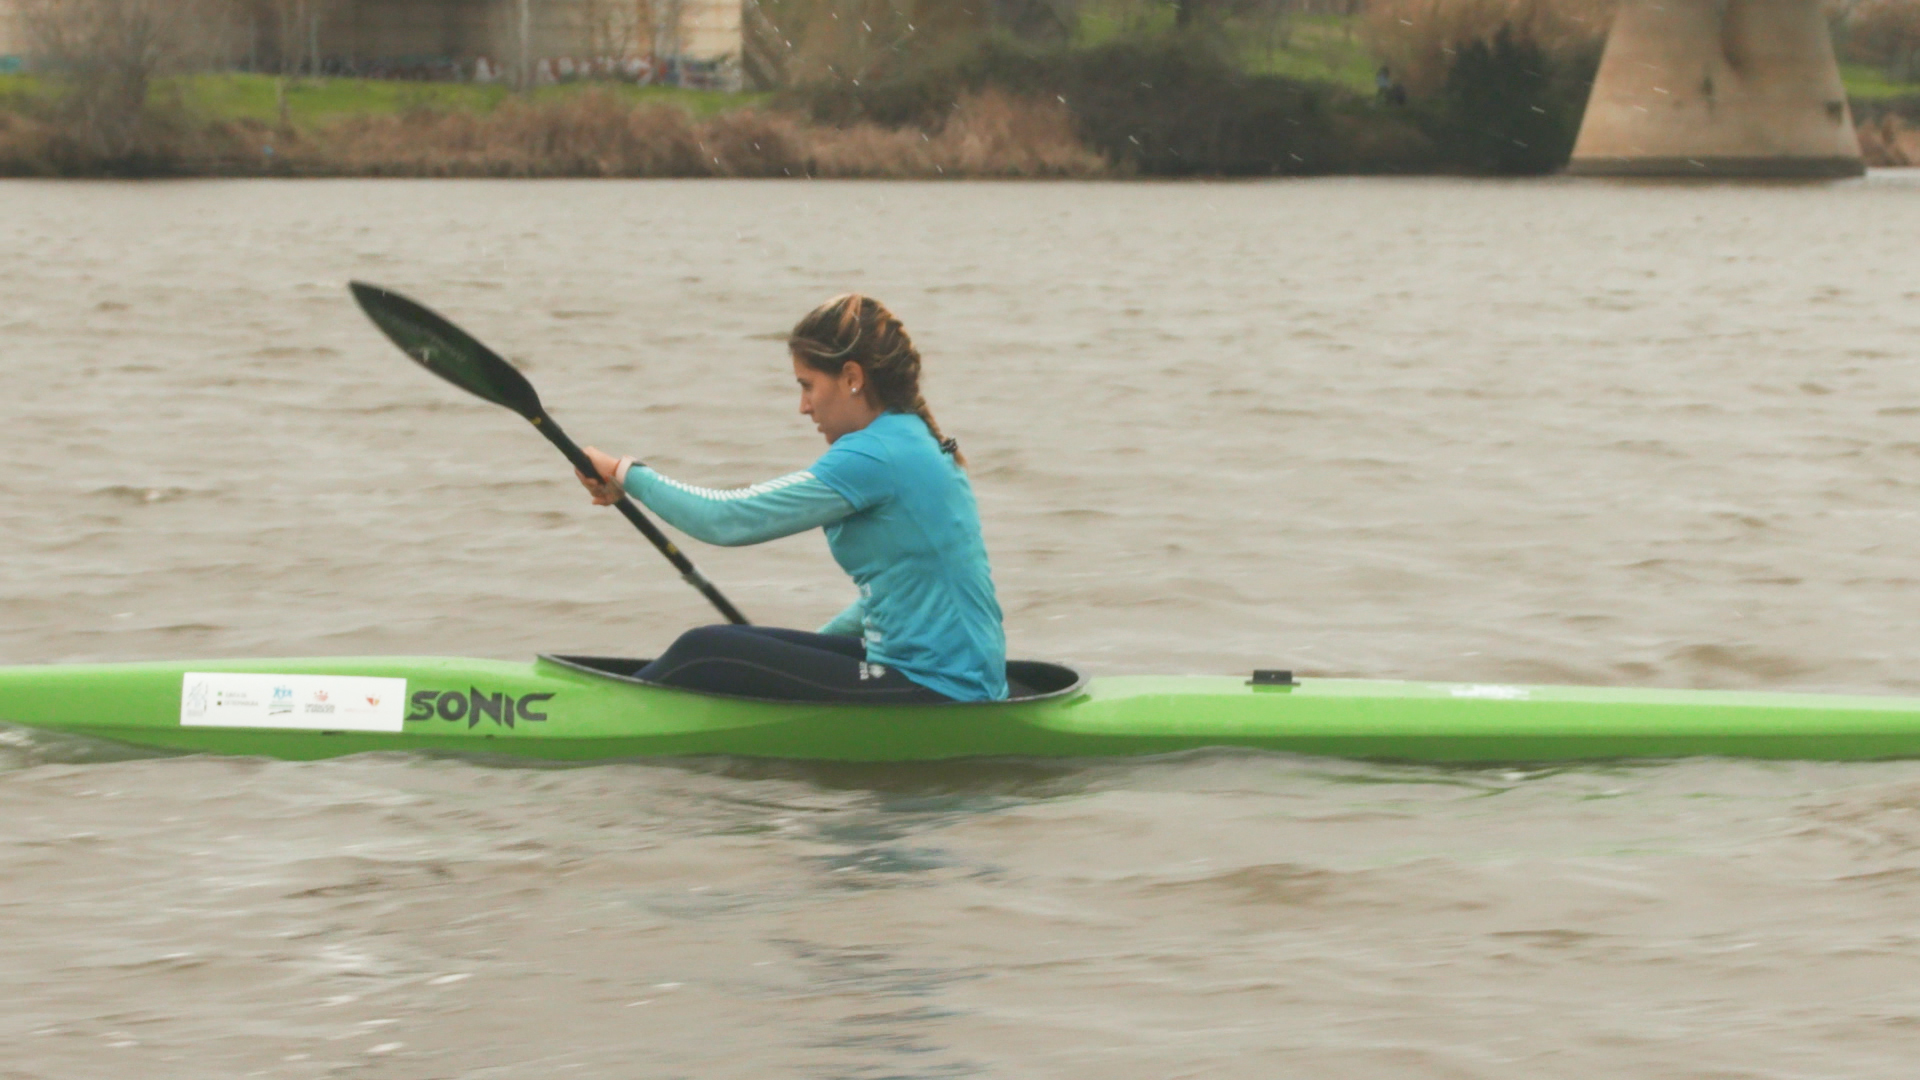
(446, 350)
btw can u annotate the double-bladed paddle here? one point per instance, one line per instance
(454, 355)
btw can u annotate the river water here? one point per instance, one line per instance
(1549, 431)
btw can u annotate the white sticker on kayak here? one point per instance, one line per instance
(1497, 693)
(295, 702)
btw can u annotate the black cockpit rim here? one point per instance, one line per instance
(1047, 681)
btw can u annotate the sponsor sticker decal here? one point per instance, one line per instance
(292, 702)
(1496, 693)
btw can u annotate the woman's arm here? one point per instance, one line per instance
(735, 517)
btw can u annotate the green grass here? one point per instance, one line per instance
(315, 101)
(18, 89)
(1310, 48)
(1316, 48)
(256, 97)
(1867, 83)
(231, 96)
(1100, 22)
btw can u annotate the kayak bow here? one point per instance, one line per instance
(583, 708)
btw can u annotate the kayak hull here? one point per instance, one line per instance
(558, 710)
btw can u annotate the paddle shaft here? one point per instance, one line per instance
(688, 572)
(458, 357)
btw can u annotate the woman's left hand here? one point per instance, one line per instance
(604, 488)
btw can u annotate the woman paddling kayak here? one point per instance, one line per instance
(891, 493)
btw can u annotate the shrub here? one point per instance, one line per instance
(1510, 107)
(1420, 40)
(1168, 106)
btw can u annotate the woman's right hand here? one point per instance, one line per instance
(604, 488)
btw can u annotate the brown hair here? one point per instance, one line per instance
(856, 329)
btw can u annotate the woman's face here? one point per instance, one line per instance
(837, 404)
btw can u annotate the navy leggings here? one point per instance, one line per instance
(785, 665)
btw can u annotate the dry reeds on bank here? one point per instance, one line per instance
(1889, 141)
(25, 148)
(592, 135)
(989, 133)
(598, 135)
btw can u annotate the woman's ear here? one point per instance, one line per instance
(853, 377)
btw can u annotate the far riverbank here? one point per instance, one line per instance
(1122, 112)
(1126, 110)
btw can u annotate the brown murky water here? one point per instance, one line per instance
(1557, 431)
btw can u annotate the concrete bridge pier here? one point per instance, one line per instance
(1718, 88)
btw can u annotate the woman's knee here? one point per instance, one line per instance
(718, 640)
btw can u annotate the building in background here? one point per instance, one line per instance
(679, 42)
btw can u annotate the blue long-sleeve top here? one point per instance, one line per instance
(900, 518)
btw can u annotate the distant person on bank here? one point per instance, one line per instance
(1387, 89)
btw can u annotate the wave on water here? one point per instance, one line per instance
(27, 748)
(144, 495)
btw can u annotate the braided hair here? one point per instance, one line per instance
(856, 329)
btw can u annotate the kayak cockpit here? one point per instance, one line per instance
(1027, 680)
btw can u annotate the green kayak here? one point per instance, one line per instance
(572, 708)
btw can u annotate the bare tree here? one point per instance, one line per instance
(523, 69)
(106, 54)
(764, 47)
(1887, 33)
(666, 24)
(855, 40)
(614, 28)
(296, 26)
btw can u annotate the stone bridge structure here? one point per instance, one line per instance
(1718, 88)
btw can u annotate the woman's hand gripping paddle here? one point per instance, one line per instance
(454, 355)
